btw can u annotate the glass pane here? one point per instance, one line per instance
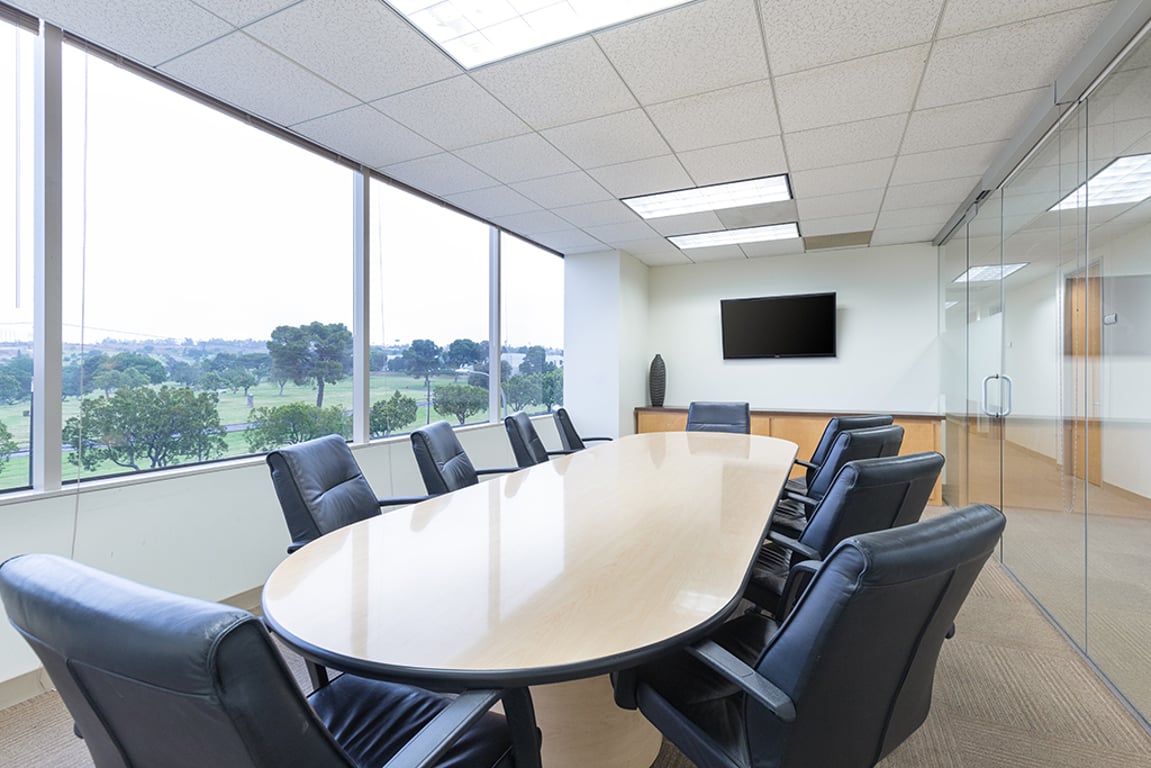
(953, 362)
(1117, 369)
(429, 305)
(208, 277)
(17, 176)
(532, 322)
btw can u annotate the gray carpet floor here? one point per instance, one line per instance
(1009, 691)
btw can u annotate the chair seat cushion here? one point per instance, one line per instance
(768, 576)
(790, 517)
(373, 720)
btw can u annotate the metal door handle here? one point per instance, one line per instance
(1006, 411)
(983, 397)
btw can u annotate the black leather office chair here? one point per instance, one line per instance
(831, 430)
(526, 444)
(792, 510)
(571, 439)
(867, 495)
(321, 488)
(165, 681)
(719, 417)
(846, 677)
(443, 462)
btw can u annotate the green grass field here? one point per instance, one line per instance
(233, 409)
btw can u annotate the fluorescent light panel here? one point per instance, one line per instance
(735, 194)
(737, 236)
(1123, 180)
(477, 32)
(989, 272)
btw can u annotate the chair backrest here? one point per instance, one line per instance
(443, 463)
(857, 655)
(872, 495)
(852, 445)
(569, 438)
(719, 417)
(320, 488)
(527, 446)
(161, 680)
(838, 424)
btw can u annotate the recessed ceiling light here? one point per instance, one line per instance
(477, 32)
(1123, 180)
(735, 194)
(736, 236)
(989, 272)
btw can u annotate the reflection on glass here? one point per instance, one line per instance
(16, 255)
(532, 320)
(206, 274)
(429, 314)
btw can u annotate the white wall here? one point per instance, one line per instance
(888, 317)
(209, 532)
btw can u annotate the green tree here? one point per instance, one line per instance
(422, 359)
(10, 389)
(460, 400)
(211, 381)
(462, 352)
(270, 427)
(20, 368)
(391, 415)
(552, 388)
(377, 359)
(7, 445)
(479, 374)
(145, 428)
(149, 367)
(535, 361)
(521, 391)
(318, 352)
(240, 378)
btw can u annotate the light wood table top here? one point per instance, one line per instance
(589, 563)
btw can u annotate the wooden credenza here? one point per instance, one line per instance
(921, 432)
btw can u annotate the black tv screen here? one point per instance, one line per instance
(779, 326)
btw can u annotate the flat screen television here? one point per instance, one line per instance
(802, 325)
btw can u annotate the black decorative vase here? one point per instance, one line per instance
(657, 381)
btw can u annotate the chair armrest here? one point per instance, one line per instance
(564, 452)
(402, 500)
(434, 739)
(807, 501)
(596, 439)
(496, 470)
(750, 682)
(795, 546)
(798, 577)
(807, 464)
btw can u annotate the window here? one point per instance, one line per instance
(532, 322)
(207, 280)
(17, 175)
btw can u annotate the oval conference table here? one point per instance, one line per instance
(587, 564)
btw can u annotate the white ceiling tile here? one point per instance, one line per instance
(842, 204)
(608, 140)
(952, 191)
(954, 163)
(517, 159)
(934, 215)
(563, 190)
(862, 222)
(687, 224)
(772, 248)
(963, 16)
(597, 214)
(240, 12)
(423, 109)
(149, 31)
(847, 143)
(732, 162)
(1017, 57)
(850, 177)
(615, 234)
(699, 47)
(859, 89)
(690, 123)
(780, 212)
(673, 258)
(715, 253)
(972, 122)
(532, 222)
(571, 241)
(557, 85)
(273, 87)
(363, 133)
(492, 202)
(802, 34)
(355, 44)
(897, 236)
(643, 177)
(441, 174)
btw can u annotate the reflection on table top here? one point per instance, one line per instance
(571, 568)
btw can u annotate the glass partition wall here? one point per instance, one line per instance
(1045, 371)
